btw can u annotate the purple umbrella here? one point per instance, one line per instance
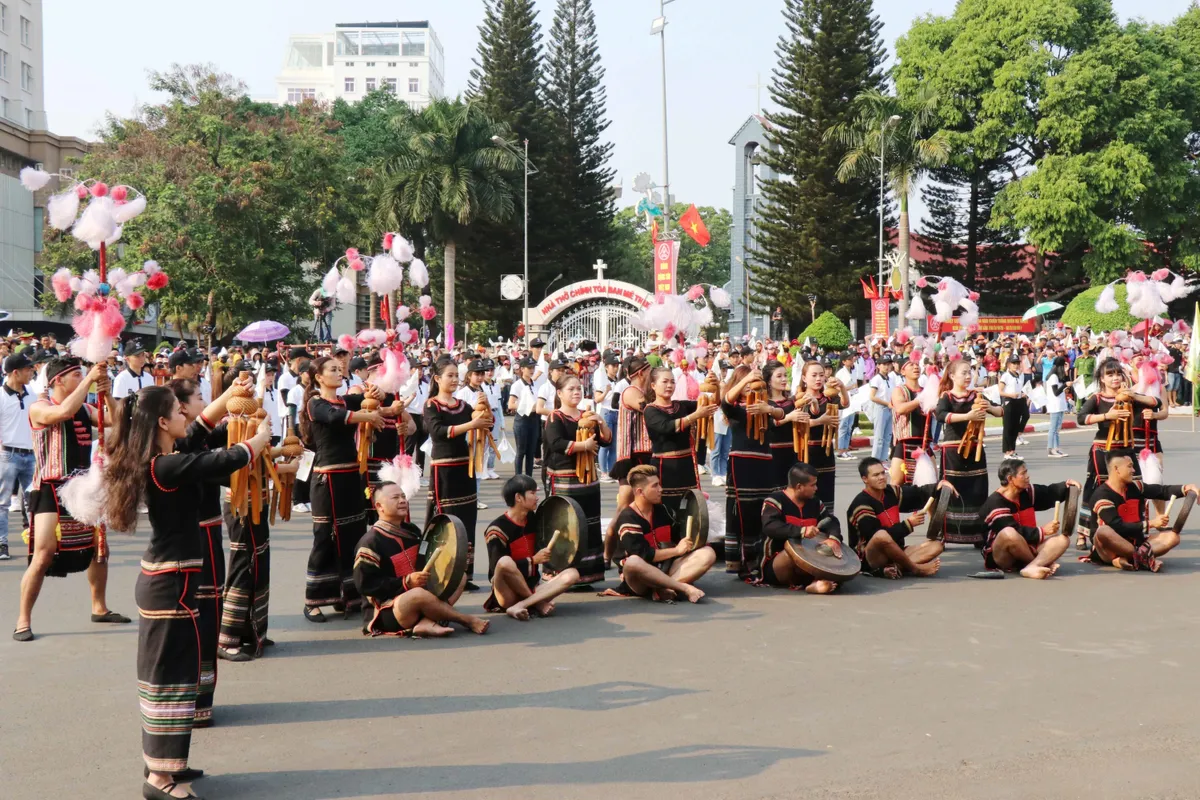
(263, 331)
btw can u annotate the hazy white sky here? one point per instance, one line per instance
(97, 55)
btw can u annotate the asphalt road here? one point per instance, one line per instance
(1080, 686)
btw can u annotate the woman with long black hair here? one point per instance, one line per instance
(328, 424)
(144, 467)
(451, 487)
(1056, 405)
(671, 425)
(562, 446)
(956, 410)
(751, 476)
(812, 408)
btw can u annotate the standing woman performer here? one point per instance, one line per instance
(561, 448)
(143, 466)
(633, 440)
(671, 425)
(911, 426)
(956, 410)
(451, 487)
(815, 404)
(751, 477)
(339, 515)
(1099, 410)
(779, 431)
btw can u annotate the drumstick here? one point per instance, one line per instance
(1170, 503)
(553, 539)
(688, 530)
(1057, 508)
(928, 505)
(432, 557)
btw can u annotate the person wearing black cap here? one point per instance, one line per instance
(604, 390)
(879, 408)
(632, 439)
(62, 439)
(470, 394)
(17, 463)
(495, 398)
(185, 364)
(358, 372)
(134, 376)
(527, 428)
(289, 379)
(1016, 405)
(541, 366)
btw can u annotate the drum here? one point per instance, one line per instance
(443, 554)
(691, 521)
(937, 519)
(561, 525)
(817, 559)
(1185, 509)
(1070, 512)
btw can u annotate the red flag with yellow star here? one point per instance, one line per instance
(694, 226)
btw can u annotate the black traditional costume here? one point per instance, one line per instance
(338, 504)
(751, 479)
(673, 448)
(62, 450)
(506, 537)
(1098, 453)
(638, 536)
(911, 433)
(452, 490)
(868, 515)
(819, 458)
(385, 446)
(560, 472)
(383, 561)
(633, 440)
(998, 513)
(970, 478)
(168, 658)
(781, 442)
(1126, 514)
(782, 520)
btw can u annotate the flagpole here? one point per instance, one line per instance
(661, 24)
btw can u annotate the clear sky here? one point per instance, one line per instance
(97, 55)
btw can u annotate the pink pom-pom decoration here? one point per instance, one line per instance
(669, 331)
(1160, 274)
(62, 284)
(1137, 276)
(973, 297)
(346, 342)
(99, 189)
(157, 281)
(83, 302)
(81, 191)
(135, 300)
(402, 313)
(120, 193)
(356, 264)
(351, 253)
(111, 320)
(922, 283)
(695, 293)
(426, 301)
(388, 238)
(428, 313)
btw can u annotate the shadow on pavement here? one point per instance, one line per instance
(597, 697)
(688, 764)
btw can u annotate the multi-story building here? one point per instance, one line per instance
(749, 174)
(22, 100)
(357, 58)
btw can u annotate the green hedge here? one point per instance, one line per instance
(829, 332)
(1082, 311)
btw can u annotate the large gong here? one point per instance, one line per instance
(443, 555)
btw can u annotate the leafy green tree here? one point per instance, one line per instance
(828, 331)
(1082, 311)
(633, 256)
(447, 176)
(240, 195)
(900, 129)
(817, 234)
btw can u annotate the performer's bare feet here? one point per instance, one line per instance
(479, 626)
(892, 572)
(427, 627)
(1036, 573)
(664, 595)
(545, 609)
(927, 570)
(821, 587)
(1121, 563)
(518, 614)
(1154, 564)
(1054, 568)
(694, 595)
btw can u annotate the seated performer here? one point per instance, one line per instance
(792, 513)
(386, 575)
(653, 565)
(513, 561)
(877, 533)
(1014, 540)
(1122, 533)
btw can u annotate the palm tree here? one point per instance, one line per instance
(447, 175)
(900, 128)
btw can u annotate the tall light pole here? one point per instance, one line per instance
(530, 169)
(659, 28)
(883, 126)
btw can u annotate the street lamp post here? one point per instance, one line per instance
(883, 126)
(659, 28)
(530, 169)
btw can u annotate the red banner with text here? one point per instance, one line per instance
(666, 258)
(879, 316)
(986, 325)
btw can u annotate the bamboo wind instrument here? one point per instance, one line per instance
(800, 430)
(585, 462)
(241, 410)
(756, 424)
(282, 497)
(708, 397)
(832, 414)
(366, 435)
(481, 438)
(1120, 431)
(973, 437)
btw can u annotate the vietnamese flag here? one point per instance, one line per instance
(694, 226)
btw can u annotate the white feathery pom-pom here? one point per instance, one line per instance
(330, 282)
(90, 281)
(916, 311)
(127, 211)
(925, 473)
(347, 292)
(943, 311)
(1151, 469)
(385, 275)
(116, 237)
(116, 277)
(404, 472)
(96, 224)
(84, 495)
(702, 317)
(928, 398)
(1148, 304)
(1106, 303)
(61, 209)
(402, 250)
(720, 298)
(418, 273)
(151, 267)
(34, 179)
(970, 316)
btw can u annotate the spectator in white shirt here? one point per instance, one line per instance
(846, 421)
(135, 376)
(17, 462)
(879, 408)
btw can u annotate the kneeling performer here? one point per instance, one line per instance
(385, 572)
(877, 533)
(1014, 540)
(1123, 533)
(794, 512)
(513, 557)
(653, 565)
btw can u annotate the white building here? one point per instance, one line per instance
(358, 58)
(22, 99)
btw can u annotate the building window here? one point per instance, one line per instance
(300, 95)
(3, 17)
(391, 63)
(349, 63)
(25, 26)
(4, 105)
(4, 64)
(390, 84)
(349, 84)
(347, 43)
(39, 222)
(370, 84)
(414, 44)
(26, 77)
(29, 118)
(370, 63)
(414, 85)
(380, 43)
(414, 63)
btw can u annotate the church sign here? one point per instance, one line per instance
(583, 291)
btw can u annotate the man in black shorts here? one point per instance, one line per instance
(793, 513)
(1123, 537)
(877, 532)
(1014, 540)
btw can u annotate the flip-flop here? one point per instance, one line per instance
(23, 635)
(314, 615)
(110, 616)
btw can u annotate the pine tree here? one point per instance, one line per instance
(575, 166)
(817, 235)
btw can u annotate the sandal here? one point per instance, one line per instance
(187, 776)
(152, 792)
(313, 614)
(239, 655)
(111, 616)
(23, 635)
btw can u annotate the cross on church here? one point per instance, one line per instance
(600, 266)
(758, 86)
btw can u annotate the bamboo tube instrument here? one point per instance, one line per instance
(800, 429)
(756, 424)
(708, 397)
(481, 438)
(292, 449)
(366, 435)
(832, 411)
(255, 486)
(241, 409)
(585, 462)
(1120, 431)
(973, 437)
